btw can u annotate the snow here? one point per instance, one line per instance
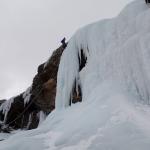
(4, 136)
(41, 116)
(27, 95)
(5, 107)
(114, 113)
(116, 49)
(113, 122)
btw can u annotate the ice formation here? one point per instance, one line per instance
(115, 82)
(41, 116)
(27, 95)
(5, 107)
(117, 50)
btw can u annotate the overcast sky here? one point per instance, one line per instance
(31, 29)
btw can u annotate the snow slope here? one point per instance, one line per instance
(115, 112)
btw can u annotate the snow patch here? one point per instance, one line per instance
(41, 116)
(27, 95)
(5, 107)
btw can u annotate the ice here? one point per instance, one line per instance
(27, 95)
(116, 49)
(110, 121)
(4, 136)
(5, 107)
(114, 113)
(41, 116)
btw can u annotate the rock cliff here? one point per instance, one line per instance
(26, 110)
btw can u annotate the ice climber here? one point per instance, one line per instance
(63, 41)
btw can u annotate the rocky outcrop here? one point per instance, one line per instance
(23, 111)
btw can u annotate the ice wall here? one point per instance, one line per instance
(117, 50)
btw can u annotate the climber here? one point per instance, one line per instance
(147, 1)
(64, 44)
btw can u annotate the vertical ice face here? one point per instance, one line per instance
(41, 116)
(117, 72)
(116, 49)
(67, 74)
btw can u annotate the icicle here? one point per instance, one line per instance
(68, 72)
(26, 95)
(5, 107)
(41, 116)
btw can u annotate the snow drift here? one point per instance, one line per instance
(115, 83)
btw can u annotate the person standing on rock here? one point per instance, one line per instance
(64, 44)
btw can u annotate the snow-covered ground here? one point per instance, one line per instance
(4, 136)
(115, 112)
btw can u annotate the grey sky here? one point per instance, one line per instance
(31, 29)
